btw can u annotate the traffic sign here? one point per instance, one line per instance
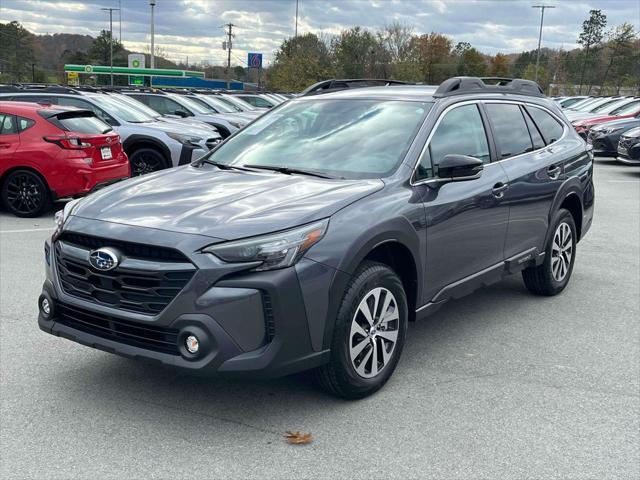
(255, 60)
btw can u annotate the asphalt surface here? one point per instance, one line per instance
(500, 384)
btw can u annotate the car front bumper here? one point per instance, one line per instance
(261, 324)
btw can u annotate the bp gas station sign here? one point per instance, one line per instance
(136, 60)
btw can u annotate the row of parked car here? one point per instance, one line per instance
(57, 141)
(610, 124)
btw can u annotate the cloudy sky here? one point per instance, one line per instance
(193, 28)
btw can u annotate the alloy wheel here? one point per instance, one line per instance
(24, 194)
(374, 332)
(145, 163)
(561, 252)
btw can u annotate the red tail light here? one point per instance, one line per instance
(70, 143)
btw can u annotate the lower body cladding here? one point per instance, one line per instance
(264, 324)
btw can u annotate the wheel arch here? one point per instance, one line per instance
(136, 142)
(569, 197)
(30, 168)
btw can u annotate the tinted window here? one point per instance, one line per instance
(460, 131)
(7, 124)
(79, 103)
(550, 128)
(257, 101)
(24, 123)
(83, 124)
(162, 105)
(121, 109)
(340, 138)
(510, 129)
(536, 137)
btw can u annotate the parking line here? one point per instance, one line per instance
(28, 230)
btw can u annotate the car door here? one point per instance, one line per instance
(534, 169)
(9, 140)
(466, 220)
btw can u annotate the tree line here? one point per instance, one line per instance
(608, 59)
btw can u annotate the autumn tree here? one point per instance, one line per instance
(397, 40)
(358, 53)
(591, 38)
(435, 57)
(499, 66)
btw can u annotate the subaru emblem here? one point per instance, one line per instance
(104, 259)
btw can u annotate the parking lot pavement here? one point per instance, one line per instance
(499, 384)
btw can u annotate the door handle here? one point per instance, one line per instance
(554, 172)
(499, 189)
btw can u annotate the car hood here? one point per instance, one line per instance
(620, 123)
(186, 122)
(224, 204)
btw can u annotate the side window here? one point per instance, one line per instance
(510, 130)
(77, 102)
(550, 128)
(536, 137)
(166, 106)
(8, 124)
(460, 131)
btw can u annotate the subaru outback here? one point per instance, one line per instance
(309, 239)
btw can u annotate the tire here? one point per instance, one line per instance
(146, 160)
(353, 378)
(552, 276)
(25, 194)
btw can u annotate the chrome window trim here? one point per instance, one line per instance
(476, 102)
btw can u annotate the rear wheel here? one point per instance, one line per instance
(369, 333)
(25, 194)
(146, 160)
(553, 275)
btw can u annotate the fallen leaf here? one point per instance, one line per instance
(297, 438)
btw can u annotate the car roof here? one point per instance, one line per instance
(31, 107)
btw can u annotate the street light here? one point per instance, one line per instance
(111, 10)
(153, 60)
(542, 8)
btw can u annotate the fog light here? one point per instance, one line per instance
(46, 308)
(192, 344)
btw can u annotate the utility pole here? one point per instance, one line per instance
(120, 20)
(296, 31)
(152, 3)
(542, 9)
(229, 46)
(111, 10)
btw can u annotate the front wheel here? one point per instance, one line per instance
(369, 333)
(146, 160)
(553, 275)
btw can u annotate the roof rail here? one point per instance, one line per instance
(40, 88)
(463, 85)
(336, 84)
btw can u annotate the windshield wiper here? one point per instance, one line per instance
(290, 170)
(221, 166)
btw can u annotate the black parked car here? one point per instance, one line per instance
(629, 147)
(310, 238)
(605, 136)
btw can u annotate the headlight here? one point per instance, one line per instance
(61, 217)
(188, 140)
(237, 124)
(277, 250)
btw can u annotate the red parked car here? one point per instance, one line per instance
(627, 111)
(49, 152)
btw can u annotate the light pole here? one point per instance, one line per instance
(542, 8)
(111, 10)
(153, 60)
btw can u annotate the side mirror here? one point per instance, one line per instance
(181, 113)
(457, 168)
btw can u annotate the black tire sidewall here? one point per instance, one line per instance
(368, 277)
(562, 216)
(46, 196)
(145, 150)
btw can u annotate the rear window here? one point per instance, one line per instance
(80, 123)
(550, 128)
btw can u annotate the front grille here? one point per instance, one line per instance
(141, 291)
(154, 338)
(137, 250)
(627, 142)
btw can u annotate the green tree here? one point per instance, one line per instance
(398, 41)
(620, 50)
(590, 38)
(470, 61)
(100, 50)
(17, 56)
(358, 53)
(300, 62)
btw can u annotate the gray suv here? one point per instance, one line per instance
(310, 238)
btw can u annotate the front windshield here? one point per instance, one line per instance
(338, 138)
(627, 109)
(138, 105)
(608, 106)
(218, 104)
(121, 109)
(190, 104)
(245, 106)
